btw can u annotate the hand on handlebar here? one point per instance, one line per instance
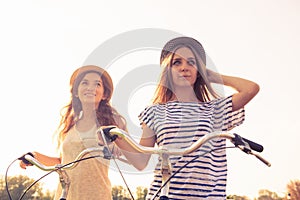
(23, 162)
(106, 132)
(111, 136)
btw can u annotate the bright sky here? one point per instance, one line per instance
(43, 42)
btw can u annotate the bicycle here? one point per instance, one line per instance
(242, 143)
(111, 133)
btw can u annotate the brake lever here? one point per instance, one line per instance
(241, 144)
(245, 147)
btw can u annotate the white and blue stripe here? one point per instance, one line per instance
(178, 125)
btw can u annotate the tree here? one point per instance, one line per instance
(236, 197)
(120, 193)
(268, 195)
(293, 189)
(141, 193)
(18, 184)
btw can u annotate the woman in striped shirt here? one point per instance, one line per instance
(184, 109)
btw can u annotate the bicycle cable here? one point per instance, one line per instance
(6, 182)
(121, 174)
(105, 140)
(187, 163)
(54, 170)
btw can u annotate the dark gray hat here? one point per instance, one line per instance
(174, 44)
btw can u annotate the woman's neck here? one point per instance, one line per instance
(87, 120)
(89, 111)
(184, 94)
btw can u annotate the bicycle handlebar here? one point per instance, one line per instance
(104, 152)
(240, 142)
(35, 162)
(113, 132)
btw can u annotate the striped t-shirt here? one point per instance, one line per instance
(178, 125)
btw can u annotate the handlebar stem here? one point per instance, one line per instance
(65, 183)
(166, 170)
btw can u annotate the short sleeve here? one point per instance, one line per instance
(231, 118)
(147, 116)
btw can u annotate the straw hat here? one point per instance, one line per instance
(91, 68)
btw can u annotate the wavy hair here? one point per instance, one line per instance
(70, 113)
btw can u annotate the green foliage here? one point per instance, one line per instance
(141, 193)
(18, 184)
(268, 195)
(236, 197)
(120, 193)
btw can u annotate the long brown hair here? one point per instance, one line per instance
(71, 112)
(202, 87)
